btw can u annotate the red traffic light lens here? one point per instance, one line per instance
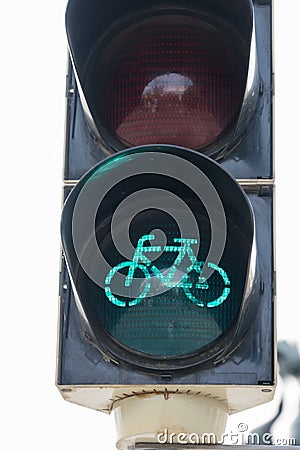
(168, 79)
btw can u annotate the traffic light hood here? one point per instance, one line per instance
(112, 34)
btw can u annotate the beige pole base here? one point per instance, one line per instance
(175, 419)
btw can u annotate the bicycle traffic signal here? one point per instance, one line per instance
(167, 278)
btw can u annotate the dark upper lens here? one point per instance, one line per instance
(170, 79)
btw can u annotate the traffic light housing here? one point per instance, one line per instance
(167, 275)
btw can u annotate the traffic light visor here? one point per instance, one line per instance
(165, 74)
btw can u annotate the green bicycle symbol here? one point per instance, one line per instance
(145, 265)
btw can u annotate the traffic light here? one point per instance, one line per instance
(167, 275)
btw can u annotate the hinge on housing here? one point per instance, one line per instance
(265, 190)
(274, 284)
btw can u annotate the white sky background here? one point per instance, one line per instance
(33, 61)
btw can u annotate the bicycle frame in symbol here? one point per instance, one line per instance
(167, 277)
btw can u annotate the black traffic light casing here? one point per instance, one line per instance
(93, 376)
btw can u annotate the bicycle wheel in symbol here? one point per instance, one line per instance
(132, 267)
(202, 284)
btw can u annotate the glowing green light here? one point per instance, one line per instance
(202, 283)
(198, 301)
(226, 290)
(166, 277)
(114, 299)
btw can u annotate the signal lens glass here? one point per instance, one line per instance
(168, 79)
(151, 298)
(183, 319)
